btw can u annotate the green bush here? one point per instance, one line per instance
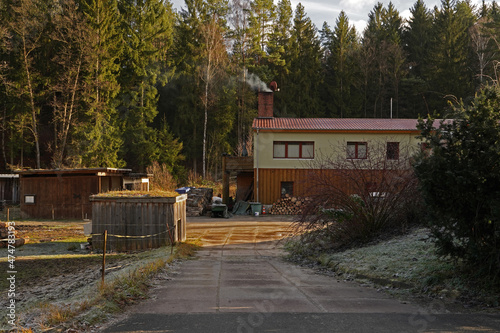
(459, 176)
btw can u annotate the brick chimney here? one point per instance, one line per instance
(266, 100)
(265, 104)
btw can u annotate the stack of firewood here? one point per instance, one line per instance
(289, 205)
(198, 201)
(4, 236)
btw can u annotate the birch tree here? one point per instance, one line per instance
(214, 61)
(69, 37)
(27, 28)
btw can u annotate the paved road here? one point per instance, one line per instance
(238, 283)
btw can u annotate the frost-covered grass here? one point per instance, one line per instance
(404, 259)
(67, 291)
(405, 265)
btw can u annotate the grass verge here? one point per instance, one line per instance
(405, 266)
(120, 289)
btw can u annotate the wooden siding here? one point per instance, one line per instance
(270, 183)
(58, 197)
(304, 179)
(238, 163)
(137, 223)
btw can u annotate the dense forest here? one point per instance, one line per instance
(128, 83)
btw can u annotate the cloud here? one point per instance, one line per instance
(355, 6)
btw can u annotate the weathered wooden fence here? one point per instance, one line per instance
(138, 223)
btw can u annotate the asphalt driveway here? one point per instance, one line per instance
(239, 283)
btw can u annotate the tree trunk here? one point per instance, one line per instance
(34, 120)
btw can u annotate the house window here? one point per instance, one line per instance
(286, 189)
(393, 150)
(356, 150)
(293, 149)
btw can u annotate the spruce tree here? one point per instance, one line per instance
(450, 71)
(262, 13)
(300, 92)
(99, 137)
(342, 43)
(147, 31)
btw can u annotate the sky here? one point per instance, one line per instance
(357, 10)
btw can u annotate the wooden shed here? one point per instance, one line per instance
(138, 223)
(242, 167)
(65, 193)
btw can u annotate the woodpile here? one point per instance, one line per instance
(4, 234)
(198, 201)
(289, 205)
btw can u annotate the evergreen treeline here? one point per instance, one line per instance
(125, 83)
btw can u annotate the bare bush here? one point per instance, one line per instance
(356, 199)
(162, 178)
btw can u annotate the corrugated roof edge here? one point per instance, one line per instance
(79, 170)
(337, 124)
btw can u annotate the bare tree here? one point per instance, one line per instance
(28, 27)
(240, 21)
(4, 41)
(481, 40)
(357, 197)
(71, 36)
(214, 60)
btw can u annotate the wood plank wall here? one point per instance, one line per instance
(137, 223)
(270, 183)
(58, 197)
(303, 181)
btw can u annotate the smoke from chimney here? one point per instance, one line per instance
(256, 83)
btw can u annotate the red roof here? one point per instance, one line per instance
(335, 124)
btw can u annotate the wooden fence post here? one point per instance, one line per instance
(104, 256)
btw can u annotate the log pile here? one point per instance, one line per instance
(289, 205)
(4, 234)
(198, 201)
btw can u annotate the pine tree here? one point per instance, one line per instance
(341, 45)
(382, 59)
(169, 149)
(98, 138)
(416, 44)
(450, 51)
(279, 44)
(279, 40)
(262, 15)
(300, 92)
(417, 38)
(147, 32)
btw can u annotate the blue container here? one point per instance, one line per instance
(183, 190)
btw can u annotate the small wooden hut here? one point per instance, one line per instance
(138, 223)
(65, 193)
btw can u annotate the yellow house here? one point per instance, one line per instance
(287, 149)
